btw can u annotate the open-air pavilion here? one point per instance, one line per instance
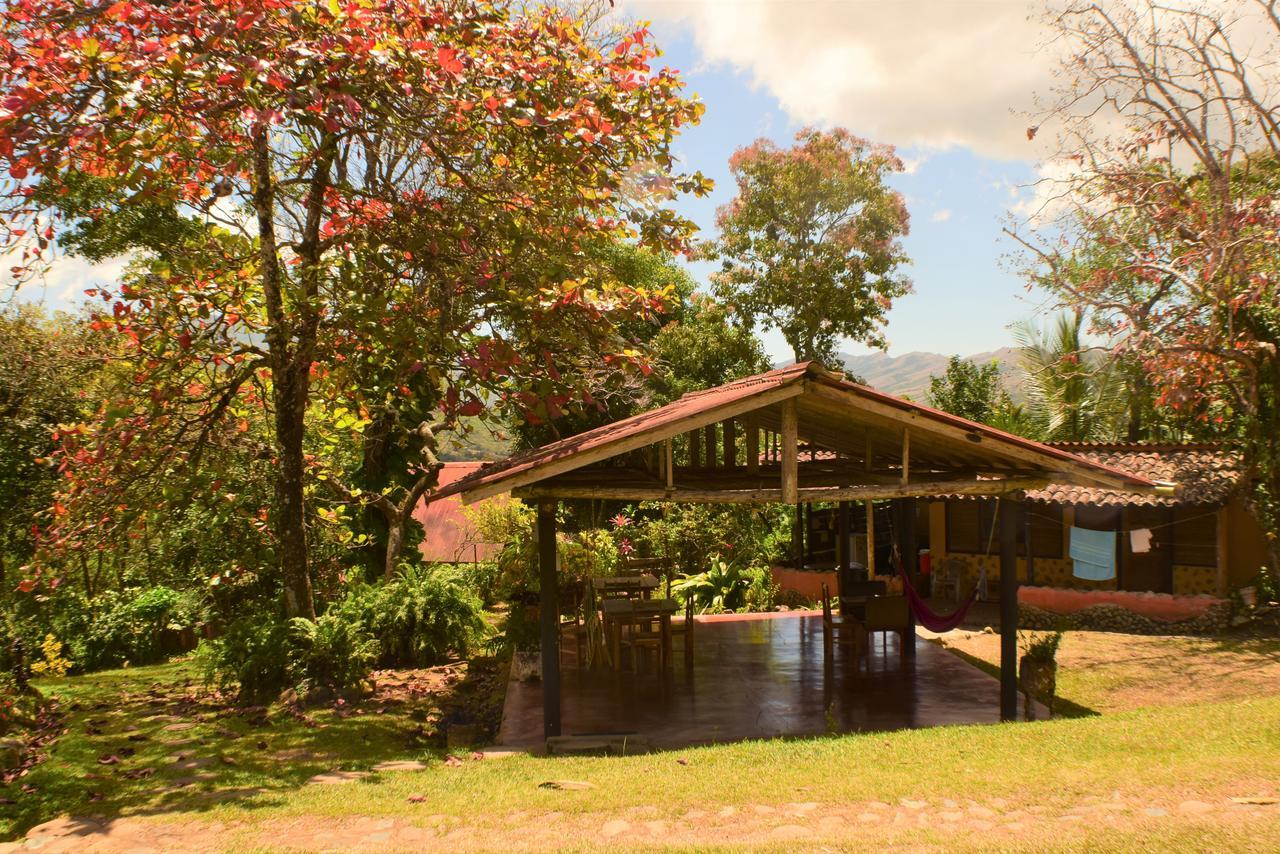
(794, 435)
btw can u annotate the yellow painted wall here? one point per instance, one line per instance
(1246, 552)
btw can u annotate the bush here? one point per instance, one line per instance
(419, 618)
(721, 589)
(329, 656)
(129, 627)
(762, 592)
(252, 658)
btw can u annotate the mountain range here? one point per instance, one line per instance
(908, 375)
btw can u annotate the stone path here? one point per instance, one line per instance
(987, 822)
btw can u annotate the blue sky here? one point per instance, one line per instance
(966, 291)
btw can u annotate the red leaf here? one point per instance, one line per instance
(448, 59)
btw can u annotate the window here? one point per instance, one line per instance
(1195, 536)
(971, 528)
(1045, 521)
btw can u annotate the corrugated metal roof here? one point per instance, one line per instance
(448, 536)
(701, 402)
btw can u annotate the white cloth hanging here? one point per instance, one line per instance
(1140, 541)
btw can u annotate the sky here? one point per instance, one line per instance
(950, 83)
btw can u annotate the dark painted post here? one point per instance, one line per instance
(549, 614)
(1030, 552)
(1008, 609)
(906, 513)
(844, 537)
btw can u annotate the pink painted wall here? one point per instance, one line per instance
(807, 584)
(1156, 606)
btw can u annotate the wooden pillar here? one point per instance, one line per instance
(790, 464)
(695, 449)
(709, 437)
(1222, 550)
(549, 615)
(1026, 538)
(753, 447)
(1008, 609)
(905, 518)
(730, 449)
(844, 536)
(871, 539)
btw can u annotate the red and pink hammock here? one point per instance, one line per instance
(932, 621)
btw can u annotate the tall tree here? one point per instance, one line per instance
(1169, 227)
(977, 392)
(811, 244)
(368, 163)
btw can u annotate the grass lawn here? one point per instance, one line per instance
(1142, 775)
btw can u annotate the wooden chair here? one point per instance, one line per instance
(887, 614)
(686, 629)
(837, 628)
(574, 628)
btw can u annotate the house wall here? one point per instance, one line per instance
(1245, 553)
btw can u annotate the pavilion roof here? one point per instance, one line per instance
(877, 446)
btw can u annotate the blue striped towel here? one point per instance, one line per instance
(1093, 553)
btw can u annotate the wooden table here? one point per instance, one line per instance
(623, 612)
(627, 585)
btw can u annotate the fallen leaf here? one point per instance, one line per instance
(477, 755)
(1258, 801)
(109, 759)
(682, 761)
(452, 761)
(227, 760)
(566, 785)
(94, 797)
(417, 799)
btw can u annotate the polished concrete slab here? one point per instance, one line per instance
(762, 676)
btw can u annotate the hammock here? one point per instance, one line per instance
(938, 622)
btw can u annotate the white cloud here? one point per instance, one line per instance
(941, 215)
(914, 73)
(62, 284)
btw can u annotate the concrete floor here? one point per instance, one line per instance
(761, 676)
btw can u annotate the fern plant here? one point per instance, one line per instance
(723, 587)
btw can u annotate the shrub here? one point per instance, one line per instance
(721, 588)
(419, 618)
(52, 662)
(128, 627)
(762, 591)
(252, 657)
(329, 656)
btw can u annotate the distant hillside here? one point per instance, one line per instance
(908, 375)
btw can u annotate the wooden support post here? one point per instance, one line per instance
(709, 437)
(730, 449)
(790, 463)
(695, 449)
(906, 524)
(871, 517)
(1008, 509)
(871, 539)
(1222, 552)
(753, 447)
(906, 455)
(1030, 552)
(669, 457)
(549, 616)
(844, 537)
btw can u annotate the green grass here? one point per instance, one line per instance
(1156, 756)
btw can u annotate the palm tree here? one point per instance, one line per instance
(1074, 392)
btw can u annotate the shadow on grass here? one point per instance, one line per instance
(152, 741)
(1062, 707)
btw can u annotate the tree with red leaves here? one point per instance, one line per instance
(394, 200)
(1167, 226)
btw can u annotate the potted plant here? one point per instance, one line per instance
(1038, 670)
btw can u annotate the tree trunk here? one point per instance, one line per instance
(291, 523)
